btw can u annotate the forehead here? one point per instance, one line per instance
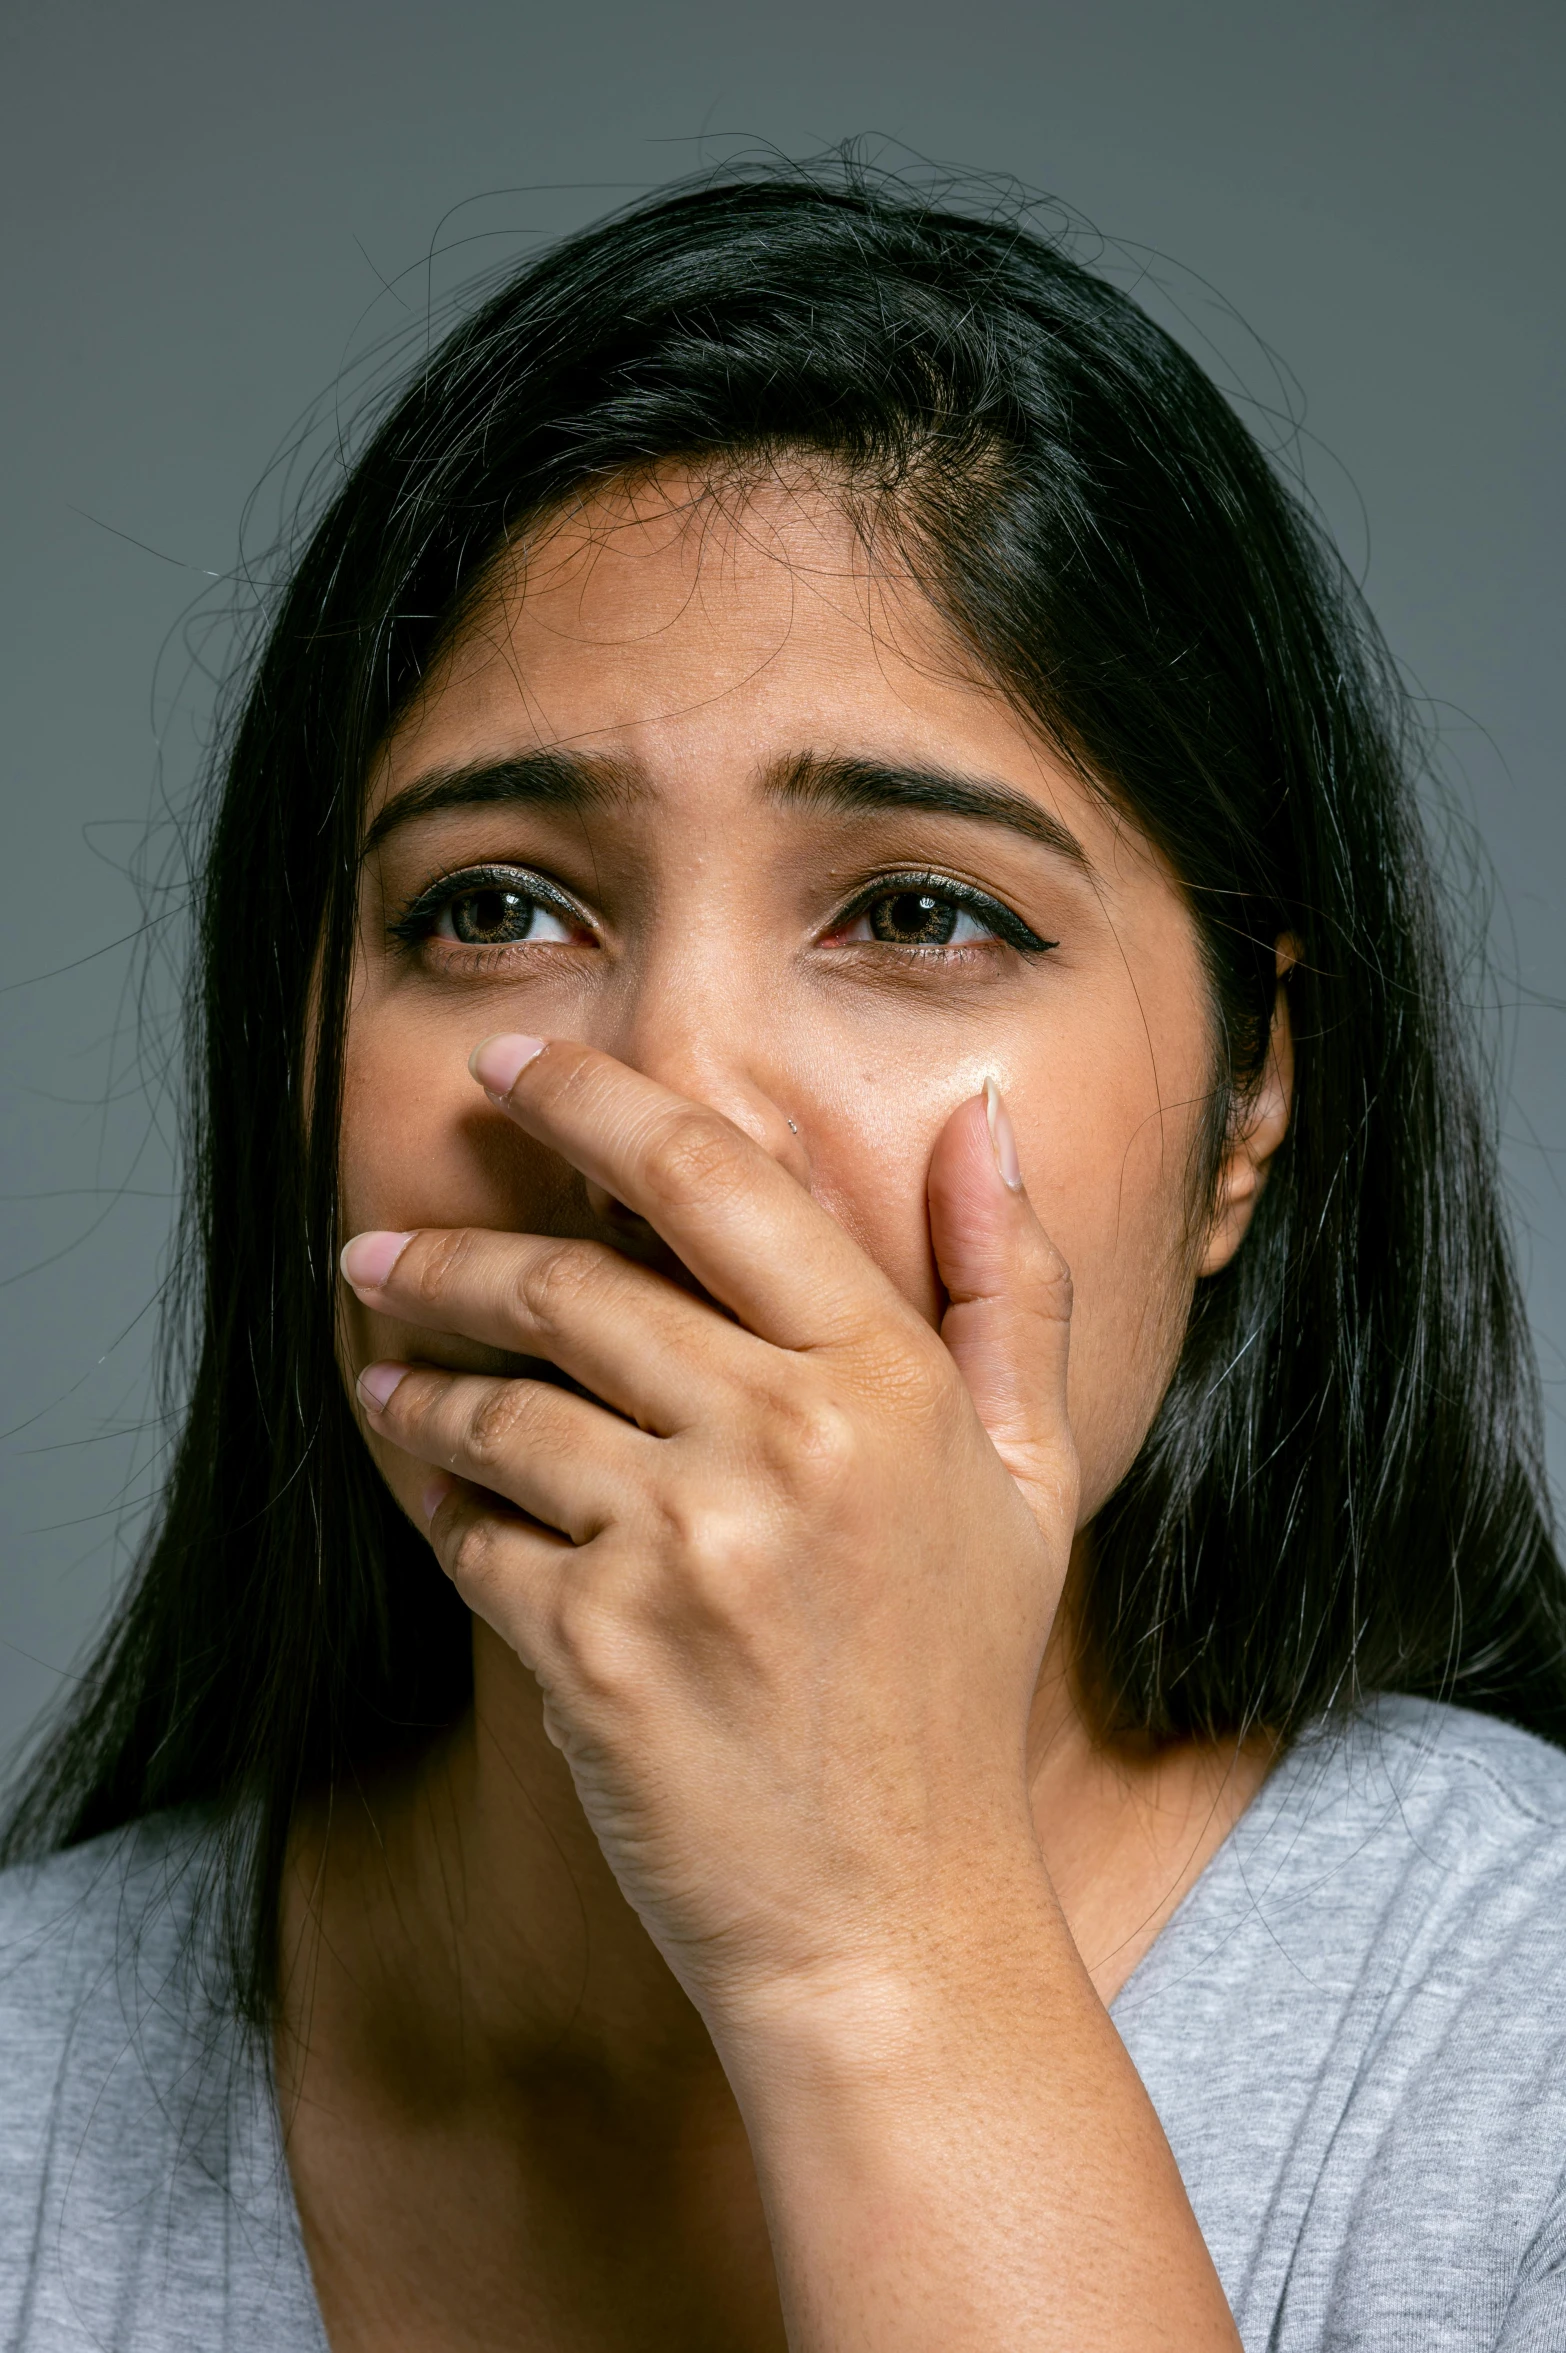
(697, 633)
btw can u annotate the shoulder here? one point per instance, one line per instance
(85, 1933)
(126, 2093)
(1355, 2030)
(98, 1988)
(1502, 1778)
(1412, 1848)
(1422, 1835)
(82, 1898)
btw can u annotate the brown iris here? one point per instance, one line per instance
(491, 918)
(913, 919)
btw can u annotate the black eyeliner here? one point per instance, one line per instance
(417, 920)
(996, 914)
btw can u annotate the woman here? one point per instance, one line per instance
(810, 780)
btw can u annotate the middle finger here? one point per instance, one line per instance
(623, 1331)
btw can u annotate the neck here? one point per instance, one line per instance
(464, 1895)
(457, 1915)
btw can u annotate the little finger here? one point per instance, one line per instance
(507, 1569)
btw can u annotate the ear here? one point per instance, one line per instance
(1263, 1124)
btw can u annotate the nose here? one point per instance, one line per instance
(718, 1043)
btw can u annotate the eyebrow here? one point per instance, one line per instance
(581, 783)
(861, 787)
(538, 780)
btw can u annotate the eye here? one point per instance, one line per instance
(497, 907)
(934, 912)
(497, 916)
(917, 919)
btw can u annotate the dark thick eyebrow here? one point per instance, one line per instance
(539, 780)
(860, 787)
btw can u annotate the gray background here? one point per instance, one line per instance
(203, 204)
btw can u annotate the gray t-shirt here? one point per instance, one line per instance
(1354, 2030)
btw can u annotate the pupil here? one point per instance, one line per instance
(487, 916)
(914, 919)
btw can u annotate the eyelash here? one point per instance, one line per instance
(417, 922)
(418, 919)
(999, 918)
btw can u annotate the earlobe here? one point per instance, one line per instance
(1262, 1125)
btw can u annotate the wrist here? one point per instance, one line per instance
(954, 2149)
(913, 2003)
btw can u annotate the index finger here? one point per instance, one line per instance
(749, 1234)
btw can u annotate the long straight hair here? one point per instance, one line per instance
(1342, 1492)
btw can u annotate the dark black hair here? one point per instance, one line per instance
(1342, 1492)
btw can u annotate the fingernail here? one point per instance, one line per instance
(1003, 1138)
(378, 1382)
(434, 1495)
(497, 1063)
(369, 1259)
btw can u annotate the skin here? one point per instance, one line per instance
(735, 1975)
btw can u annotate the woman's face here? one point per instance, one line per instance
(704, 787)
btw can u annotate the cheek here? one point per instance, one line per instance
(421, 1147)
(873, 1131)
(1111, 1181)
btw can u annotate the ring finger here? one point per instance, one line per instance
(563, 1460)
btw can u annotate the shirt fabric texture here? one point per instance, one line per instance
(1353, 2029)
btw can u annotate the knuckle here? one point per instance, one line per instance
(413, 1409)
(713, 1540)
(1052, 1279)
(692, 1159)
(1053, 1478)
(816, 1437)
(438, 1258)
(554, 1281)
(494, 1423)
(592, 1640)
(722, 1576)
(696, 1537)
(1045, 1276)
(471, 1556)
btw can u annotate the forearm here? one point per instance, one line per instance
(963, 2160)
(787, 1603)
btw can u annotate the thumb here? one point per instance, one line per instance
(1008, 1322)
